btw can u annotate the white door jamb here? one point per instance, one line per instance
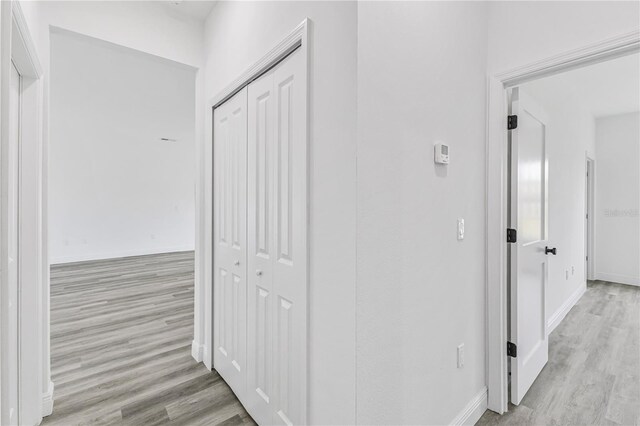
(18, 47)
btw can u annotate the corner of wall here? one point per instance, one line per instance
(197, 350)
(47, 400)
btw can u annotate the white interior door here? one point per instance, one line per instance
(230, 241)
(528, 255)
(277, 243)
(10, 341)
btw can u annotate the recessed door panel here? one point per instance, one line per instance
(290, 228)
(528, 257)
(261, 156)
(230, 247)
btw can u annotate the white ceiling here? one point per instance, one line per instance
(607, 88)
(194, 9)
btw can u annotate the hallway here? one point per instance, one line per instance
(121, 333)
(593, 373)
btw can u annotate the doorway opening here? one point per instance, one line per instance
(122, 230)
(589, 216)
(561, 297)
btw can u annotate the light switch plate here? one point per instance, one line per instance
(461, 355)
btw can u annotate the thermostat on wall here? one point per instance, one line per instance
(441, 152)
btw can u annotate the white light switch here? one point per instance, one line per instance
(461, 355)
(461, 229)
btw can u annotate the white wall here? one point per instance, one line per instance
(617, 176)
(237, 35)
(421, 79)
(116, 189)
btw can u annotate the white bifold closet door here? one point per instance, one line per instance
(230, 241)
(271, 337)
(277, 230)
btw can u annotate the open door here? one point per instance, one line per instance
(528, 248)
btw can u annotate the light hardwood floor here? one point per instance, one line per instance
(121, 332)
(593, 373)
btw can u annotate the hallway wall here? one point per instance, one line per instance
(617, 208)
(421, 79)
(115, 188)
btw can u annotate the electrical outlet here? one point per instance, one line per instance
(573, 270)
(461, 355)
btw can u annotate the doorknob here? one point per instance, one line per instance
(258, 272)
(548, 250)
(237, 263)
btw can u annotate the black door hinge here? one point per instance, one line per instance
(512, 350)
(512, 122)
(512, 235)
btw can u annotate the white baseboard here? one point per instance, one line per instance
(562, 312)
(197, 351)
(47, 400)
(618, 278)
(473, 411)
(56, 260)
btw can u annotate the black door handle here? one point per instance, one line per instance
(548, 250)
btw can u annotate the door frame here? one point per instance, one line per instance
(299, 40)
(17, 46)
(496, 192)
(590, 217)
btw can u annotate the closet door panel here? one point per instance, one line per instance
(261, 157)
(230, 241)
(290, 242)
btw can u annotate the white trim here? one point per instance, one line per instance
(197, 350)
(47, 400)
(563, 310)
(473, 410)
(610, 48)
(26, 58)
(496, 168)
(118, 254)
(18, 47)
(288, 44)
(618, 278)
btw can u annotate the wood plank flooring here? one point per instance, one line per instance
(593, 373)
(121, 332)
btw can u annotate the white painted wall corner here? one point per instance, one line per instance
(47, 400)
(473, 411)
(562, 312)
(197, 350)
